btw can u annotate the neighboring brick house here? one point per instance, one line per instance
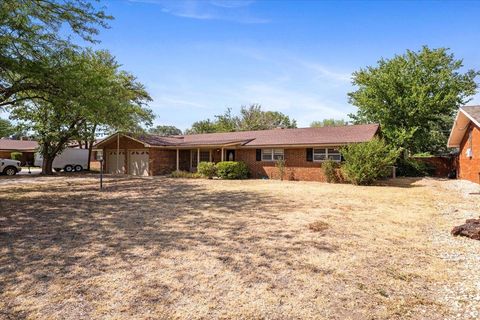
(303, 150)
(465, 135)
(26, 147)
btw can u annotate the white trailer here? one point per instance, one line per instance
(70, 160)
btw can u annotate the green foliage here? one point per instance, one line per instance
(367, 162)
(330, 169)
(423, 155)
(94, 91)
(250, 118)
(16, 156)
(413, 168)
(414, 97)
(204, 126)
(6, 128)
(165, 130)
(281, 166)
(254, 118)
(207, 169)
(232, 170)
(328, 123)
(31, 37)
(185, 175)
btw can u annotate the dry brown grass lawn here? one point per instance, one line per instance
(188, 249)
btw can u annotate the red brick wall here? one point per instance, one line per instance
(469, 168)
(162, 161)
(5, 154)
(297, 166)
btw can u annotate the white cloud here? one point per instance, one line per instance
(325, 72)
(226, 10)
(304, 106)
(231, 3)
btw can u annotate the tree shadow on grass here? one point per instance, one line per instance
(400, 182)
(72, 232)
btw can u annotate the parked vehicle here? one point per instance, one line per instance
(10, 167)
(70, 160)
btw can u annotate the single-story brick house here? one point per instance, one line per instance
(302, 149)
(26, 147)
(465, 135)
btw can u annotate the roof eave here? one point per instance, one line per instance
(104, 141)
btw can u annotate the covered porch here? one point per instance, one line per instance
(187, 159)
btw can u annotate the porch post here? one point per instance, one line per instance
(198, 156)
(178, 161)
(118, 151)
(222, 154)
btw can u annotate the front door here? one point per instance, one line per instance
(230, 155)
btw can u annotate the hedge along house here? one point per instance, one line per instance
(303, 150)
(465, 135)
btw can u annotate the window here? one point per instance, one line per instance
(322, 154)
(319, 154)
(204, 156)
(334, 154)
(272, 154)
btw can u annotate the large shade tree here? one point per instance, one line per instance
(163, 130)
(93, 90)
(30, 37)
(414, 97)
(249, 118)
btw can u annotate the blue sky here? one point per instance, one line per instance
(199, 57)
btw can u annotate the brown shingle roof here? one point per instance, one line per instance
(473, 111)
(275, 137)
(18, 145)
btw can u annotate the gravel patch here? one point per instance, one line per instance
(458, 201)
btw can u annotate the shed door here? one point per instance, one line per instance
(112, 161)
(138, 162)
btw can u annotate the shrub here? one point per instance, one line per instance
(16, 156)
(207, 169)
(232, 170)
(368, 161)
(413, 168)
(184, 174)
(280, 165)
(330, 170)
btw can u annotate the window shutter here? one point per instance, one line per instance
(309, 154)
(259, 154)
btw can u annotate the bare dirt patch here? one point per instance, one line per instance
(202, 249)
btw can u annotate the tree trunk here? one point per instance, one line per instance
(89, 144)
(47, 164)
(90, 148)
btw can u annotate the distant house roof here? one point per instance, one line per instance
(18, 145)
(276, 137)
(465, 115)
